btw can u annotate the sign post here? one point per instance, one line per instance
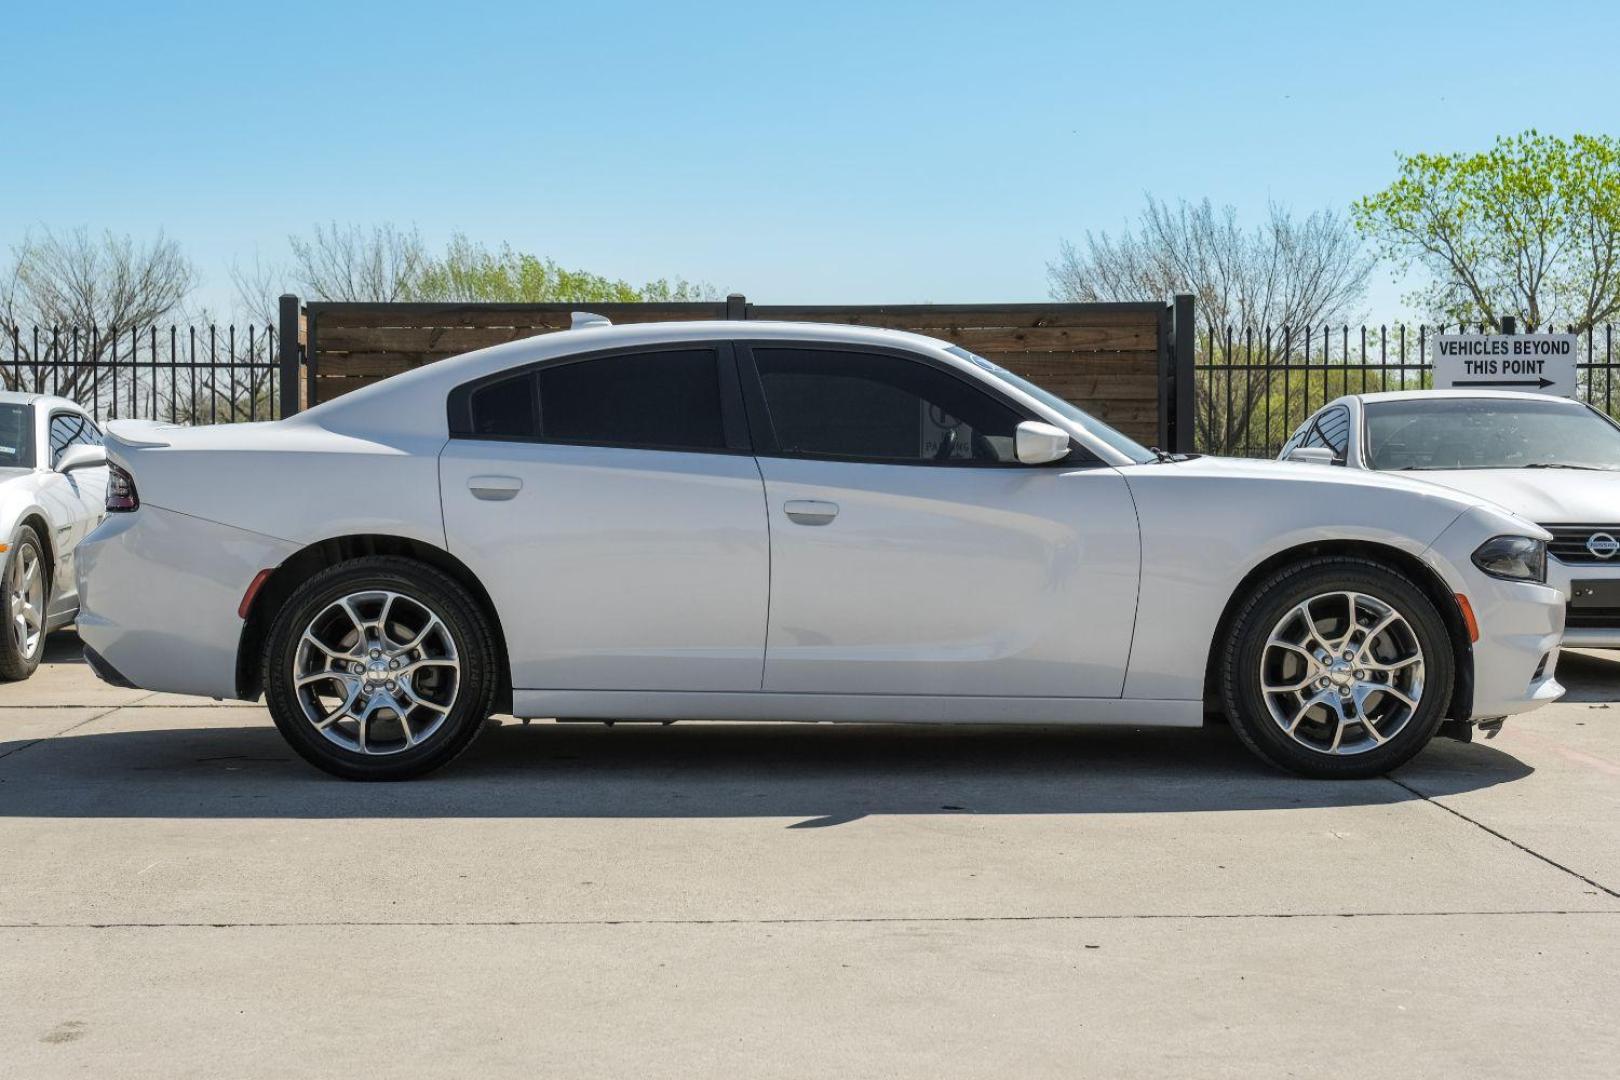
(1540, 363)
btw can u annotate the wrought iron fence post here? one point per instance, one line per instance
(290, 354)
(1181, 399)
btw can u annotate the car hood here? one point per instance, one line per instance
(1545, 496)
(1328, 476)
(13, 472)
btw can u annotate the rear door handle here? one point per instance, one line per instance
(494, 488)
(810, 511)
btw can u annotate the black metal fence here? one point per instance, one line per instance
(183, 374)
(1252, 388)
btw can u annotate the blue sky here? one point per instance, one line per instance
(819, 152)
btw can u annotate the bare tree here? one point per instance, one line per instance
(66, 299)
(1287, 272)
(258, 290)
(353, 262)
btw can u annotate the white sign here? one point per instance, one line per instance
(1541, 363)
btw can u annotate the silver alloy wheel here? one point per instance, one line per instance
(376, 672)
(27, 593)
(1342, 673)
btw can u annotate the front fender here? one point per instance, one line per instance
(1203, 534)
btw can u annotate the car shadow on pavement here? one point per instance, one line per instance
(817, 774)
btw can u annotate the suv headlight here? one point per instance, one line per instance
(1514, 558)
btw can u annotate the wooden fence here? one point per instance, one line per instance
(1117, 361)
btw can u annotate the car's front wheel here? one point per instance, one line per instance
(381, 668)
(1337, 667)
(27, 596)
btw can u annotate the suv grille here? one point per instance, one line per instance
(1569, 544)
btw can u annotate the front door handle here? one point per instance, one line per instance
(494, 488)
(810, 511)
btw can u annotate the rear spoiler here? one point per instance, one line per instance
(141, 433)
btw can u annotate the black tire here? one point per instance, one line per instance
(468, 628)
(15, 663)
(1244, 652)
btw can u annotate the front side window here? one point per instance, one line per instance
(1116, 440)
(71, 429)
(1479, 433)
(1331, 431)
(879, 407)
(657, 400)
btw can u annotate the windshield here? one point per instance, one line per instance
(15, 451)
(1094, 427)
(1477, 433)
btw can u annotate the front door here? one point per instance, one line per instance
(912, 554)
(612, 510)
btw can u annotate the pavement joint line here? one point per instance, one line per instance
(801, 921)
(1532, 852)
(57, 735)
(142, 703)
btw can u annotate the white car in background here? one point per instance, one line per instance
(53, 488)
(1550, 460)
(780, 521)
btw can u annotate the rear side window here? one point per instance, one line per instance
(658, 400)
(507, 409)
(880, 407)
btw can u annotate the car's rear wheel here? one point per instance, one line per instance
(27, 596)
(381, 668)
(1337, 667)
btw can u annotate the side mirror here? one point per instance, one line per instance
(1040, 444)
(81, 456)
(1314, 455)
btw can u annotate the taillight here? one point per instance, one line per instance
(121, 496)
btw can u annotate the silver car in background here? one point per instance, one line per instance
(1551, 460)
(53, 488)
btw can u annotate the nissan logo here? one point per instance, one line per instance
(1602, 545)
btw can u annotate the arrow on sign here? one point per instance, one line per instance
(1539, 383)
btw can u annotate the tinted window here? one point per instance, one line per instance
(506, 408)
(1117, 440)
(15, 437)
(880, 407)
(70, 429)
(665, 400)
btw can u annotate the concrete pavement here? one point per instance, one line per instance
(180, 896)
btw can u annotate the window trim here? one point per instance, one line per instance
(764, 432)
(733, 425)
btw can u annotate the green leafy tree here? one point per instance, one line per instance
(1529, 228)
(472, 273)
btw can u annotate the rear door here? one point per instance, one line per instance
(912, 554)
(610, 504)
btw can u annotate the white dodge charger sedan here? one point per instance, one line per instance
(52, 489)
(776, 521)
(1548, 459)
